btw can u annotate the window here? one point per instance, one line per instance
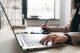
(13, 10)
(43, 9)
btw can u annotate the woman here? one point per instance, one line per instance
(71, 36)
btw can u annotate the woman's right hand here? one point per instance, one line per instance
(45, 28)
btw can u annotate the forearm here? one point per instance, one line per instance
(58, 29)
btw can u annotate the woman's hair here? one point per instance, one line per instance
(76, 3)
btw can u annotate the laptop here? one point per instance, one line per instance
(28, 41)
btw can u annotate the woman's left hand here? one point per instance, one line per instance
(56, 39)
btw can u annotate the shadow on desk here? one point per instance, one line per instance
(45, 49)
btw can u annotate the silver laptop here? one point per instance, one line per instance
(27, 41)
(31, 41)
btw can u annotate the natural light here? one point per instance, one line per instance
(43, 9)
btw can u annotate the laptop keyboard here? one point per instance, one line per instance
(30, 41)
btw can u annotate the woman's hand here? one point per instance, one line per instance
(45, 28)
(56, 39)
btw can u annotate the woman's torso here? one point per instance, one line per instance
(75, 21)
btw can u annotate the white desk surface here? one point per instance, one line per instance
(8, 44)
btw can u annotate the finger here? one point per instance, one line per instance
(49, 39)
(43, 26)
(57, 41)
(52, 36)
(55, 34)
(44, 39)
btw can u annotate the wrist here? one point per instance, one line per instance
(68, 38)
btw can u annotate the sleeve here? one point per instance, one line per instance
(74, 37)
(69, 41)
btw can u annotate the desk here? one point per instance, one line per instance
(29, 29)
(8, 44)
